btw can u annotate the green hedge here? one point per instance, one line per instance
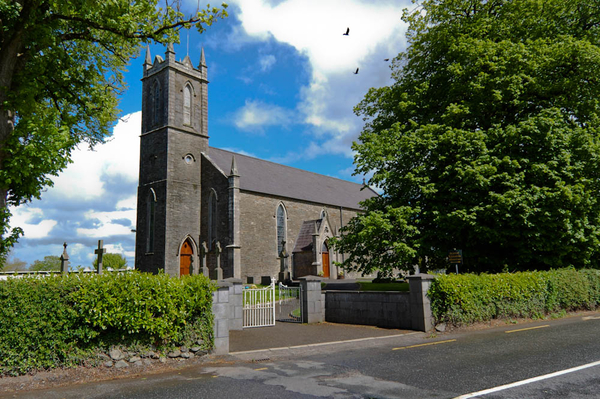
(468, 298)
(56, 321)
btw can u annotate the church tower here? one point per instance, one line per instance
(174, 135)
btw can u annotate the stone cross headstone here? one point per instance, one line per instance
(284, 274)
(203, 252)
(218, 270)
(100, 251)
(64, 260)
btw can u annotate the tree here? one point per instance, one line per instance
(487, 141)
(13, 264)
(112, 261)
(50, 263)
(61, 71)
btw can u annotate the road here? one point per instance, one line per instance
(416, 365)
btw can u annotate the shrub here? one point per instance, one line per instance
(55, 321)
(468, 298)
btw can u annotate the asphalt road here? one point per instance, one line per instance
(412, 366)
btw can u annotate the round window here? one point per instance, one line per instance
(189, 158)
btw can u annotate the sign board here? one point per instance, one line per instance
(455, 256)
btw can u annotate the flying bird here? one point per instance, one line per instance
(356, 72)
(386, 59)
(347, 32)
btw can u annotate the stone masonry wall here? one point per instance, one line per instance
(381, 309)
(212, 178)
(258, 234)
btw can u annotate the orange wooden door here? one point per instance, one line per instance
(325, 264)
(185, 258)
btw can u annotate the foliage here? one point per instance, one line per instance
(487, 141)
(57, 320)
(468, 298)
(49, 263)
(373, 286)
(13, 264)
(111, 261)
(61, 71)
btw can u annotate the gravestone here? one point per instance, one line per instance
(100, 251)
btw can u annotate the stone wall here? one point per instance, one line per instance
(258, 234)
(213, 179)
(407, 310)
(381, 309)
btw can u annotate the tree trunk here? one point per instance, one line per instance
(9, 55)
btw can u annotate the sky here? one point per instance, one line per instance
(282, 88)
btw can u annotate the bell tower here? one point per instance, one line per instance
(174, 135)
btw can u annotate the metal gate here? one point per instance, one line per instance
(289, 304)
(259, 306)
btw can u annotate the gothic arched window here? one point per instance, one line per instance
(212, 218)
(187, 104)
(281, 227)
(150, 218)
(156, 103)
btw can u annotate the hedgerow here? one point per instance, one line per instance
(57, 321)
(468, 298)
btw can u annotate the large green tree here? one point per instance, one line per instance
(487, 141)
(61, 64)
(111, 261)
(49, 263)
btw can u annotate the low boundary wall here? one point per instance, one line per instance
(382, 309)
(406, 310)
(387, 309)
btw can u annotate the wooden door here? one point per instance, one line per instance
(185, 258)
(325, 264)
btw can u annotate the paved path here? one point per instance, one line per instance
(295, 334)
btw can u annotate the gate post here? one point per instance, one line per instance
(420, 305)
(220, 308)
(236, 306)
(312, 301)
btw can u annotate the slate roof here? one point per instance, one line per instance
(305, 238)
(266, 177)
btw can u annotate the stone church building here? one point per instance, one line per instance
(203, 209)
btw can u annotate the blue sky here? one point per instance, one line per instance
(282, 88)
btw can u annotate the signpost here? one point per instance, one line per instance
(455, 257)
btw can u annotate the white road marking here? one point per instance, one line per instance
(528, 381)
(590, 318)
(324, 343)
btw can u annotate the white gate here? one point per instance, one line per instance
(259, 306)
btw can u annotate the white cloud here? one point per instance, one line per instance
(127, 203)
(315, 29)
(266, 62)
(119, 156)
(238, 151)
(108, 223)
(26, 217)
(255, 115)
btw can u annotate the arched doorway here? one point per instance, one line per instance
(185, 258)
(325, 259)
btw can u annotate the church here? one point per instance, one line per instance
(202, 209)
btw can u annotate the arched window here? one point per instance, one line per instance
(156, 103)
(323, 214)
(150, 218)
(187, 104)
(281, 227)
(212, 218)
